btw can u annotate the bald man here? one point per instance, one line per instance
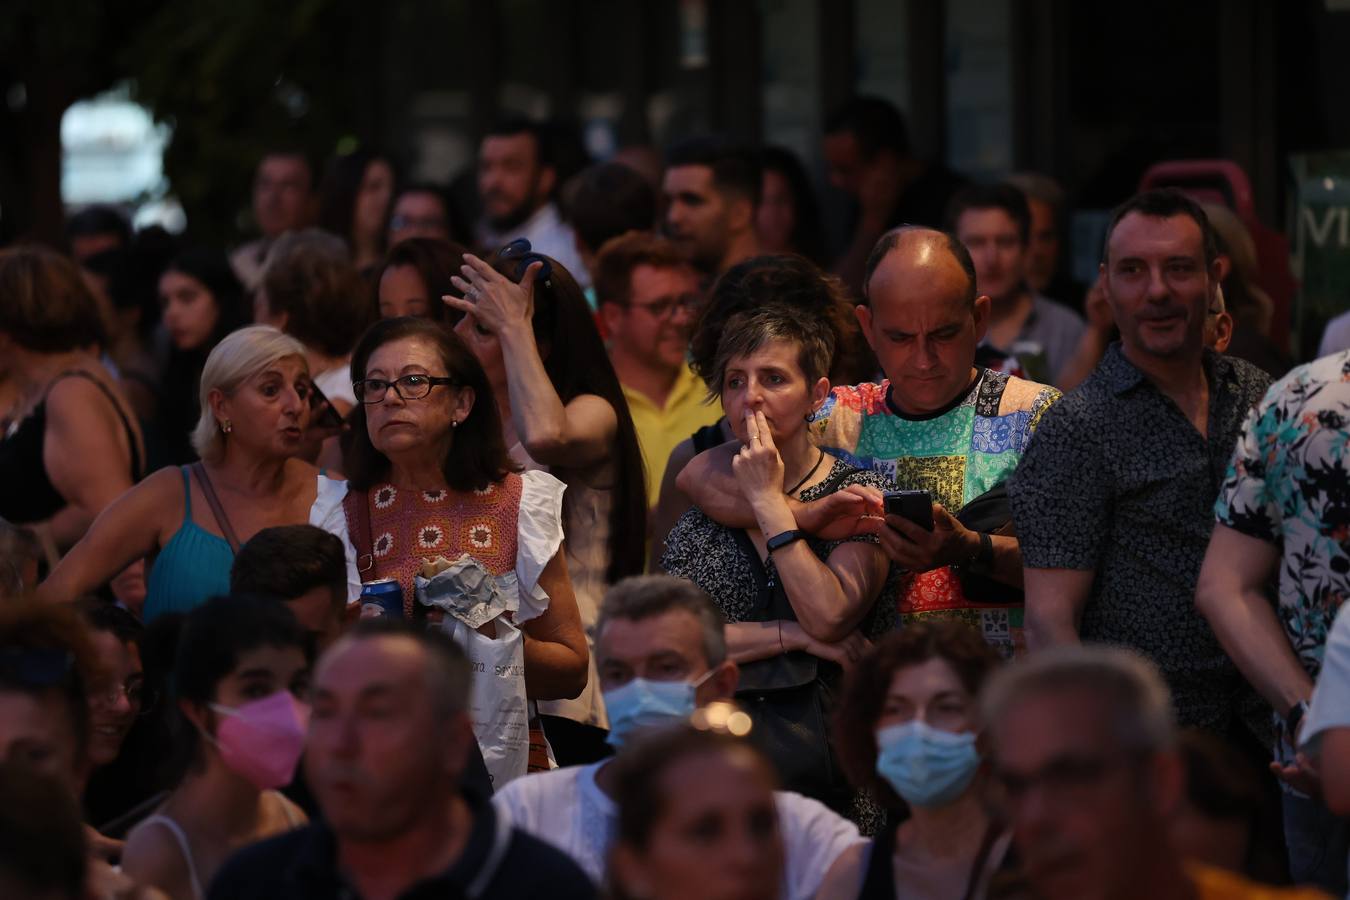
(937, 423)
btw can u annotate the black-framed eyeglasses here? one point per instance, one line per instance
(408, 387)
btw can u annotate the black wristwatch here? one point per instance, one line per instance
(982, 560)
(778, 541)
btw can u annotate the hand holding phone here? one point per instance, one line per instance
(914, 506)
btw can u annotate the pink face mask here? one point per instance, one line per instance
(262, 740)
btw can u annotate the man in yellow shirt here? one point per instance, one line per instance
(1084, 765)
(648, 297)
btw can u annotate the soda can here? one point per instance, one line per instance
(383, 597)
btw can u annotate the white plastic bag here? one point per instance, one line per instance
(497, 702)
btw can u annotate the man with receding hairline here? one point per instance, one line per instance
(389, 742)
(937, 423)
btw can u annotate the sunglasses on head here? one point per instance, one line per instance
(522, 254)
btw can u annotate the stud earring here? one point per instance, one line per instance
(226, 427)
(454, 423)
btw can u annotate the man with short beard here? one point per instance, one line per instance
(1114, 498)
(516, 183)
(711, 191)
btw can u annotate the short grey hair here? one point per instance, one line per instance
(641, 597)
(1128, 686)
(236, 359)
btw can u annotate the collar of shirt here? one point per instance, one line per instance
(686, 382)
(1122, 375)
(314, 869)
(536, 229)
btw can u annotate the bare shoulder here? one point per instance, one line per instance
(153, 856)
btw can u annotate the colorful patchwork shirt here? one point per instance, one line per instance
(956, 454)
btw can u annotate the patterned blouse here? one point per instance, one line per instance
(514, 525)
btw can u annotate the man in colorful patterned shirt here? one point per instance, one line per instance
(937, 423)
(1285, 503)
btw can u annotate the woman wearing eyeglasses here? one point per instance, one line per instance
(907, 730)
(430, 476)
(562, 411)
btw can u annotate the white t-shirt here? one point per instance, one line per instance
(566, 808)
(336, 384)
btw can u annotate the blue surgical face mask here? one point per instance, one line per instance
(641, 704)
(926, 766)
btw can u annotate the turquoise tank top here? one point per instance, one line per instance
(193, 567)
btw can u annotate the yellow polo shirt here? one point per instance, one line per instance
(660, 431)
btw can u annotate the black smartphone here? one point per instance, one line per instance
(916, 506)
(321, 411)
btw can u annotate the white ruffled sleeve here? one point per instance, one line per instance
(540, 535)
(327, 513)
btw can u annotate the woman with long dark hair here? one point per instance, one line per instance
(562, 410)
(202, 302)
(354, 204)
(788, 218)
(415, 275)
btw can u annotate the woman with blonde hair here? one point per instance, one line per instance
(255, 406)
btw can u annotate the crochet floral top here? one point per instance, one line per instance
(511, 529)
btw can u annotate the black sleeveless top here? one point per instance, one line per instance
(28, 495)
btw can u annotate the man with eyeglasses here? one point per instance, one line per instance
(649, 298)
(1086, 771)
(661, 655)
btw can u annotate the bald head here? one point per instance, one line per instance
(922, 252)
(922, 317)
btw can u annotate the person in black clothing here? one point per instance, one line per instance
(388, 742)
(868, 156)
(203, 301)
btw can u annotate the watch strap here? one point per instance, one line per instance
(783, 538)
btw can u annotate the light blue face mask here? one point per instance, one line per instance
(641, 704)
(926, 766)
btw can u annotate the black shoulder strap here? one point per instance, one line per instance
(879, 878)
(117, 408)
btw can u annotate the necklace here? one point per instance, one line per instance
(807, 477)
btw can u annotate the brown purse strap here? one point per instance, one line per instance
(209, 492)
(357, 508)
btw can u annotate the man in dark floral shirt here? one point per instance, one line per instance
(1114, 498)
(1285, 504)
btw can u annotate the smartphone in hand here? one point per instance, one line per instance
(916, 506)
(322, 413)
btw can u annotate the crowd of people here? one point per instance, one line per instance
(615, 537)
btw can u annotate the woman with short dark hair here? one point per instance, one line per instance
(798, 607)
(697, 819)
(240, 681)
(907, 731)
